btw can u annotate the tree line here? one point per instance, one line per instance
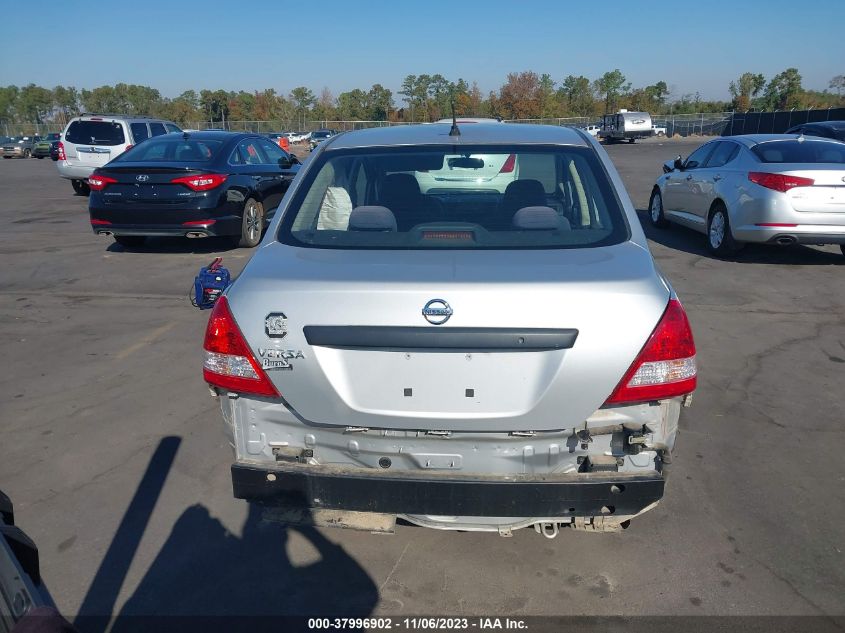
(524, 95)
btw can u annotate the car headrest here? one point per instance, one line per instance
(372, 218)
(539, 218)
(528, 189)
(400, 188)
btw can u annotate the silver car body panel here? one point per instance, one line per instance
(818, 212)
(350, 406)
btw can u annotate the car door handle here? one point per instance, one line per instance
(717, 177)
(689, 177)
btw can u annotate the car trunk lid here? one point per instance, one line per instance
(536, 339)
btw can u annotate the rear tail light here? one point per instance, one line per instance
(779, 182)
(96, 222)
(666, 366)
(128, 147)
(203, 182)
(61, 150)
(98, 182)
(510, 163)
(229, 364)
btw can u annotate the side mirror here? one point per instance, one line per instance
(678, 164)
(668, 166)
(287, 163)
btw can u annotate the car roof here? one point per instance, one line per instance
(475, 134)
(216, 135)
(750, 140)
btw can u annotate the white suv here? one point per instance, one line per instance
(91, 140)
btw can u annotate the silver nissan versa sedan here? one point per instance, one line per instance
(774, 189)
(470, 359)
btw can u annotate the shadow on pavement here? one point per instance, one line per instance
(205, 571)
(177, 245)
(680, 238)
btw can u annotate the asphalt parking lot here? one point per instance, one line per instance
(113, 453)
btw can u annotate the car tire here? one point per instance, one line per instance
(80, 187)
(631, 140)
(720, 239)
(655, 210)
(252, 224)
(130, 241)
(39, 157)
(27, 153)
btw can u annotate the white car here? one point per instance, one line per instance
(658, 130)
(593, 130)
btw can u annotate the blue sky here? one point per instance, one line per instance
(174, 46)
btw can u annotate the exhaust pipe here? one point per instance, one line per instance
(195, 234)
(786, 240)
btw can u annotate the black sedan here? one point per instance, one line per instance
(197, 184)
(825, 129)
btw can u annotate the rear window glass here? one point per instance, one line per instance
(488, 197)
(139, 132)
(95, 133)
(175, 150)
(805, 151)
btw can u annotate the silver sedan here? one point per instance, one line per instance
(774, 189)
(484, 358)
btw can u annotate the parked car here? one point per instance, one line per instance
(92, 140)
(767, 188)
(298, 137)
(43, 146)
(593, 130)
(193, 185)
(658, 130)
(22, 593)
(461, 361)
(54, 150)
(825, 129)
(20, 146)
(319, 136)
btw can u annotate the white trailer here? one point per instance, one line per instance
(626, 125)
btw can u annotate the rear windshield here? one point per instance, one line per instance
(489, 197)
(321, 134)
(166, 149)
(95, 133)
(805, 151)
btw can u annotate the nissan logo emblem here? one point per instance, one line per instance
(437, 312)
(142, 178)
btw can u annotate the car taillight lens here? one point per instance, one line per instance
(229, 364)
(203, 182)
(98, 182)
(510, 163)
(61, 151)
(128, 147)
(666, 366)
(779, 182)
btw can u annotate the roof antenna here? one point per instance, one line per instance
(454, 131)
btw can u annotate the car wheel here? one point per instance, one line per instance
(27, 153)
(130, 241)
(39, 157)
(631, 140)
(660, 134)
(720, 240)
(655, 210)
(80, 187)
(252, 224)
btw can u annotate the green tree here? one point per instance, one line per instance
(837, 84)
(8, 97)
(34, 103)
(303, 99)
(379, 102)
(747, 86)
(610, 86)
(66, 102)
(577, 96)
(546, 96)
(215, 105)
(352, 105)
(784, 90)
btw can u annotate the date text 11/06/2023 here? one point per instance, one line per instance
(418, 624)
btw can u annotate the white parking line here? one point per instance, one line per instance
(149, 338)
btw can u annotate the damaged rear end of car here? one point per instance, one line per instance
(470, 359)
